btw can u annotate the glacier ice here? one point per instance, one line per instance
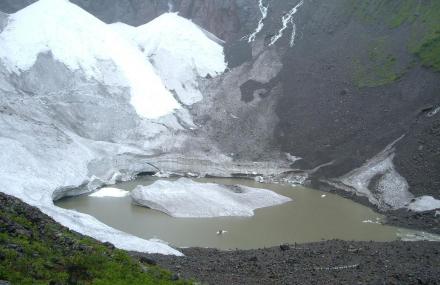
(379, 181)
(424, 203)
(179, 40)
(67, 121)
(110, 192)
(35, 174)
(81, 41)
(77, 103)
(186, 198)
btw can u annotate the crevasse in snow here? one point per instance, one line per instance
(80, 41)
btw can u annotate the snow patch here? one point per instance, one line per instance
(424, 203)
(110, 192)
(286, 19)
(81, 41)
(292, 158)
(379, 181)
(263, 11)
(433, 112)
(185, 198)
(180, 51)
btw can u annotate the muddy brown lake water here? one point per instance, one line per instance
(311, 216)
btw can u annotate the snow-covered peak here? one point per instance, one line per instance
(179, 50)
(184, 39)
(80, 41)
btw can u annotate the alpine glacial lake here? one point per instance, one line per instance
(311, 216)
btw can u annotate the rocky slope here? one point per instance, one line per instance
(329, 262)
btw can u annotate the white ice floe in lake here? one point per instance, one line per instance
(81, 41)
(424, 203)
(169, 39)
(186, 198)
(110, 192)
(370, 221)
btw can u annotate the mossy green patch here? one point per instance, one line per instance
(391, 13)
(429, 53)
(380, 69)
(420, 18)
(36, 250)
(405, 11)
(425, 35)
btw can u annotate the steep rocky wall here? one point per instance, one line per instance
(352, 84)
(357, 77)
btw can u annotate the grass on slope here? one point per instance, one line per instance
(420, 18)
(35, 250)
(381, 69)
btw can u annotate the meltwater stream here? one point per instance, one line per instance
(311, 216)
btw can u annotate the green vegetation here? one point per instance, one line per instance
(425, 35)
(35, 250)
(421, 22)
(429, 53)
(390, 13)
(405, 12)
(381, 68)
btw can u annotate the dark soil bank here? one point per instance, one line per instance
(328, 262)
